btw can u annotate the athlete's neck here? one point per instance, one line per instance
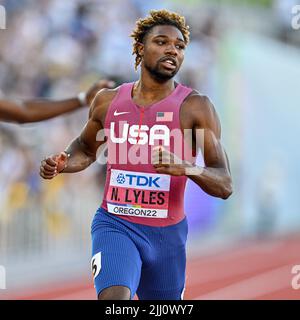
(147, 90)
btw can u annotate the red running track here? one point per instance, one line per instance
(257, 270)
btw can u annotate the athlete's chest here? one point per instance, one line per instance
(151, 117)
(149, 126)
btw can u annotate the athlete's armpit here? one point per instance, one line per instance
(88, 137)
(92, 130)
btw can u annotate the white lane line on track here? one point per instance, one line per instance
(85, 294)
(239, 252)
(253, 287)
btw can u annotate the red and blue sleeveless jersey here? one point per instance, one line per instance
(133, 189)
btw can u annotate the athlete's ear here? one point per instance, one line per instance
(140, 48)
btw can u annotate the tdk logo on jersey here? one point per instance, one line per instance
(136, 134)
(137, 180)
(121, 178)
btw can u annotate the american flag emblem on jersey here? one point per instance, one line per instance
(164, 116)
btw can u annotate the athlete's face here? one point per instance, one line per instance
(163, 51)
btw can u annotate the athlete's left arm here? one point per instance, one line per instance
(214, 178)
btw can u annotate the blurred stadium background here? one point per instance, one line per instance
(244, 55)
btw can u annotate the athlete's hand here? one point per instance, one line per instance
(53, 165)
(167, 162)
(94, 89)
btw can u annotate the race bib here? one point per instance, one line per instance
(138, 194)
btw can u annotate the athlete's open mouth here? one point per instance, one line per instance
(169, 63)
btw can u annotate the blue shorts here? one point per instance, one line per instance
(150, 261)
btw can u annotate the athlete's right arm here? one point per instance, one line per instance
(82, 151)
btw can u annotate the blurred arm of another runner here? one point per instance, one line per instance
(42, 109)
(82, 151)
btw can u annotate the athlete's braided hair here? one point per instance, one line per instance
(156, 18)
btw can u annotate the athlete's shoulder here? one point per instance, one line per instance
(199, 103)
(104, 95)
(200, 109)
(102, 101)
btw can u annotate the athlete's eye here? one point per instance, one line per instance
(180, 46)
(160, 42)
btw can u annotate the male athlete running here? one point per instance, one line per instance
(139, 232)
(38, 110)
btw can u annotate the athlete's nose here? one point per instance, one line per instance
(171, 50)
